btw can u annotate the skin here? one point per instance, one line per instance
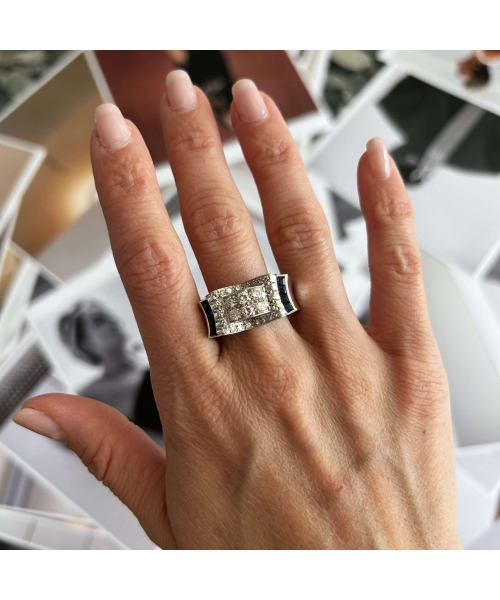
(309, 432)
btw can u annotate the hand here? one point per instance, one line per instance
(308, 432)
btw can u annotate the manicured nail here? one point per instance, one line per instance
(39, 423)
(248, 101)
(181, 94)
(378, 159)
(112, 130)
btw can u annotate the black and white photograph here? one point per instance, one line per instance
(93, 337)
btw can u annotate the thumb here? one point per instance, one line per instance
(114, 450)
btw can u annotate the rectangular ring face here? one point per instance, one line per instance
(247, 305)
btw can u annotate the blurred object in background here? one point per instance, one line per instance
(208, 70)
(348, 72)
(440, 128)
(335, 77)
(56, 113)
(137, 82)
(439, 69)
(34, 515)
(474, 71)
(20, 68)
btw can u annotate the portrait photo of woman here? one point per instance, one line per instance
(94, 335)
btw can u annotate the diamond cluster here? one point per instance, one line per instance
(246, 305)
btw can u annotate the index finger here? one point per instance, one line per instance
(148, 253)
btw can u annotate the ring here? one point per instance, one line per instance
(247, 305)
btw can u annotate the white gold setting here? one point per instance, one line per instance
(247, 305)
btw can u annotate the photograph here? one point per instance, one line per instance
(472, 75)
(93, 337)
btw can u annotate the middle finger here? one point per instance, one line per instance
(215, 217)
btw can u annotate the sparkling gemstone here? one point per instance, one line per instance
(234, 314)
(262, 307)
(247, 311)
(257, 292)
(244, 297)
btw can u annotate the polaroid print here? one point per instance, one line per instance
(442, 69)
(22, 279)
(19, 162)
(88, 329)
(15, 306)
(58, 114)
(468, 334)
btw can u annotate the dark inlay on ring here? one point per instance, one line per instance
(210, 317)
(280, 280)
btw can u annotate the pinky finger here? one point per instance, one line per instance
(398, 310)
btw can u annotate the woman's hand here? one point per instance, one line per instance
(308, 432)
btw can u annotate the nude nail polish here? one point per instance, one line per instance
(249, 102)
(181, 94)
(378, 159)
(111, 128)
(40, 423)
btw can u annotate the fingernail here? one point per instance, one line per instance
(378, 159)
(112, 130)
(248, 101)
(181, 94)
(39, 423)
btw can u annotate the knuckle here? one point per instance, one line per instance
(276, 151)
(401, 262)
(131, 180)
(150, 267)
(197, 139)
(98, 459)
(300, 230)
(216, 223)
(391, 209)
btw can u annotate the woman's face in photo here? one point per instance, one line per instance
(102, 335)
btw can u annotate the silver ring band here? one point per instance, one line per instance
(247, 305)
